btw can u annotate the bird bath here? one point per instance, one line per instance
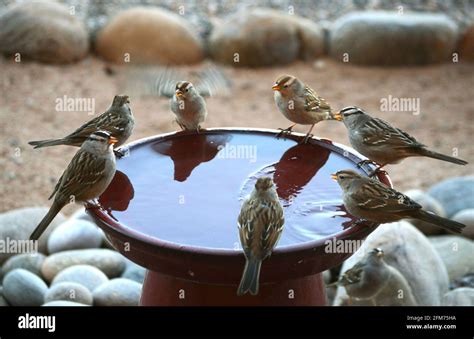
(173, 205)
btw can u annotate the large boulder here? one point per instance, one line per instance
(265, 37)
(149, 36)
(18, 225)
(457, 254)
(43, 31)
(454, 194)
(389, 38)
(409, 251)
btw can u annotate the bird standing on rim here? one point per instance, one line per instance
(260, 225)
(382, 143)
(371, 200)
(87, 176)
(118, 120)
(300, 104)
(188, 106)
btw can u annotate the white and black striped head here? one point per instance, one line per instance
(377, 252)
(345, 178)
(352, 116)
(184, 89)
(287, 85)
(99, 142)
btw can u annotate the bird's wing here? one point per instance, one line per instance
(83, 172)
(352, 275)
(378, 132)
(212, 81)
(313, 102)
(375, 196)
(254, 213)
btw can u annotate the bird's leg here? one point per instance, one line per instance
(360, 222)
(308, 135)
(285, 131)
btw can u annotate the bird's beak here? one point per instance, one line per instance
(334, 176)
(112, 141)
(338, 116)
(178, 93)
(276, 87)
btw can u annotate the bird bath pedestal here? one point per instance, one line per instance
(173, 205)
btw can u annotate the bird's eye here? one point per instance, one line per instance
(286, 86)
(342, 177)
(187, 90)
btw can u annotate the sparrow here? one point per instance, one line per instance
(187, 98)
(366, 276)
(373, 279)
(87, 176)
(299, 104)
(260, 223)
(117, 120)
(369, 199)
(383, 143)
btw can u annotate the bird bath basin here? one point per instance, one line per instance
(173, 205)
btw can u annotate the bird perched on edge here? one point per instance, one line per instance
(187, 100)
(382, 143)
(300, 104)
(118, 120)
(87, 176)
(261, 222)
(369, 199)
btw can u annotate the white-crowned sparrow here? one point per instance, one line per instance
(87, 176)
(188, 106)
(382, 143)
(371, 200)
(118, 120)
(260, 225)
(300, 104)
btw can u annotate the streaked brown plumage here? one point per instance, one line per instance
(300, 104)
(383, 143)
(371, 200)
(118, 120)
(260, 225)
(87, 176)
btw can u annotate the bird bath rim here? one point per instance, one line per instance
(115, 226)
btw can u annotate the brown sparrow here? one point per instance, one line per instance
(371, 200)
(87, 176)
(382, 143)
(260, 225)
(300, 104)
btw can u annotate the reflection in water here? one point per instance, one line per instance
(188, 153)
(118, 194)
(298, 165)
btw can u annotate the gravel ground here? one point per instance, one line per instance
(29, 90)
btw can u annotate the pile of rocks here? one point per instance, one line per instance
(74, 267)
(249, 37)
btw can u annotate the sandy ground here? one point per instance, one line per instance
(29, 90)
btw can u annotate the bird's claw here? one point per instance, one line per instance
(376, 171)
(284, 132)
(366, 161)
(93, 206)
(119, 153)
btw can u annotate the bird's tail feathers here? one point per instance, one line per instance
(250, 277)
(449, 225)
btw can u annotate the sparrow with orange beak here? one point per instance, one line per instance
(87, 176)
(188, 106)
(300, 104)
